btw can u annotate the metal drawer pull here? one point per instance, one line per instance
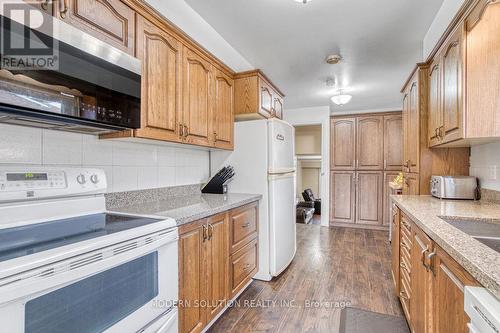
(403, 295)
(204, 231)
(210, 231)
(246, 225)
(431, 262)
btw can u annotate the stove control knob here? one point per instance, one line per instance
(94, 179)
(81, 179)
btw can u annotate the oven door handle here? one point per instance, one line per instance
(158, 318)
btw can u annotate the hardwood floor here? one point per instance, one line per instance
(316, 220)
(332, 266)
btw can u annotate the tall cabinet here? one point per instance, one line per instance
(366, 153)
(420, 100)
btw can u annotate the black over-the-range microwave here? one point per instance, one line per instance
(58, 77)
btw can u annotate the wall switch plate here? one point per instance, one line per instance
(492, 172)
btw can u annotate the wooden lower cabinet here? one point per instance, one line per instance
(210, 273)
(369, 197)
(431, 284)
(343, 194)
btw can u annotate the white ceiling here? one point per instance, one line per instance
(380, 41)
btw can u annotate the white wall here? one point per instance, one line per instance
(128, 165)
(313, 116)
(182, 15)
(485, 164)
(443, 18)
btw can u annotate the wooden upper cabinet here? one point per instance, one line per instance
(256, 97)
(369, 197)
(343, 143)
(393, 142)
(451, 127)
(278, 106)
(482, 29)
(343, 196)
(449, 280)
(161, 66)
(109, 20)
(370, 143)
(435, 109)
(413, 140)
(223, 117)
(198, 103)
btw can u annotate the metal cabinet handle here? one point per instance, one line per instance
(181, 130)
(63, 8)
(436, 133)
(430, 257)
(246, 225)
(215, 135)
(210, 231)
(422, 258)
(186, 131)
(45, 5)
(204, 230)
(441, 132)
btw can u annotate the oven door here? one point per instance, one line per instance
(127, 287)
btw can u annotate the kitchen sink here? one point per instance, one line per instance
(486, 231)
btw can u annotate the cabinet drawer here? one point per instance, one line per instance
(244, 264)
(243, 223)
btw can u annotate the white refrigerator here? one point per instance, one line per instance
(263, 159)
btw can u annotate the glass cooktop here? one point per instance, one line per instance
(25, 240)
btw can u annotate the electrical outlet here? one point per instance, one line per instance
(493, 172)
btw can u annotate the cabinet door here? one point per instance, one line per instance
(217, 264)
(452, 124)
(411, 184)
(393, 142)
(435, 114)
(278, 106)
(198, 98)
(369, 188)
(449, 282)
(388, 177)
(343, 143)
(192, 277)
(483, 70)
(406, 161)
(413, 139)
(109, 20)
(223, 120)
(161, 65)
(266, 99)
(420, 301)
(395, 248)
(342, 197)
(370, 143)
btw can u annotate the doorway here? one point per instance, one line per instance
(308, 184)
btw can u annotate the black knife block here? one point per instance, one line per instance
(218, 183)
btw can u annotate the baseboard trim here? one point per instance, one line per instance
(359, 226)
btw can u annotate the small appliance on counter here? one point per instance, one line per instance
(218, 183)
(454, 187)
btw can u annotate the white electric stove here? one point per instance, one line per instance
(68, 265)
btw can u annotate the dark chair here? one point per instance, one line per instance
(309, 197)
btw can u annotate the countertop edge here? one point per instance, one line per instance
(208, 213)
(472, 268)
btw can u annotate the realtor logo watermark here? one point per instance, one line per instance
(26, 41)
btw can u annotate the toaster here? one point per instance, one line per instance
(454, 187)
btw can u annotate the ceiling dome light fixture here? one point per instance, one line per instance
(341, 98)
(303, 1)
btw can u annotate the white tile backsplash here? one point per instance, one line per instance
(128, 165)
(485, 164)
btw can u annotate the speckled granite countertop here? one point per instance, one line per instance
(482, 262)
(189, 208)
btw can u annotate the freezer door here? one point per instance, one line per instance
(282, 221)
(281, 146)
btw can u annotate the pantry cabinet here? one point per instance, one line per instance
(218, 256)
(365, 154)
(435, 114)
(256, 97)
(111, 21)
(430, 284)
